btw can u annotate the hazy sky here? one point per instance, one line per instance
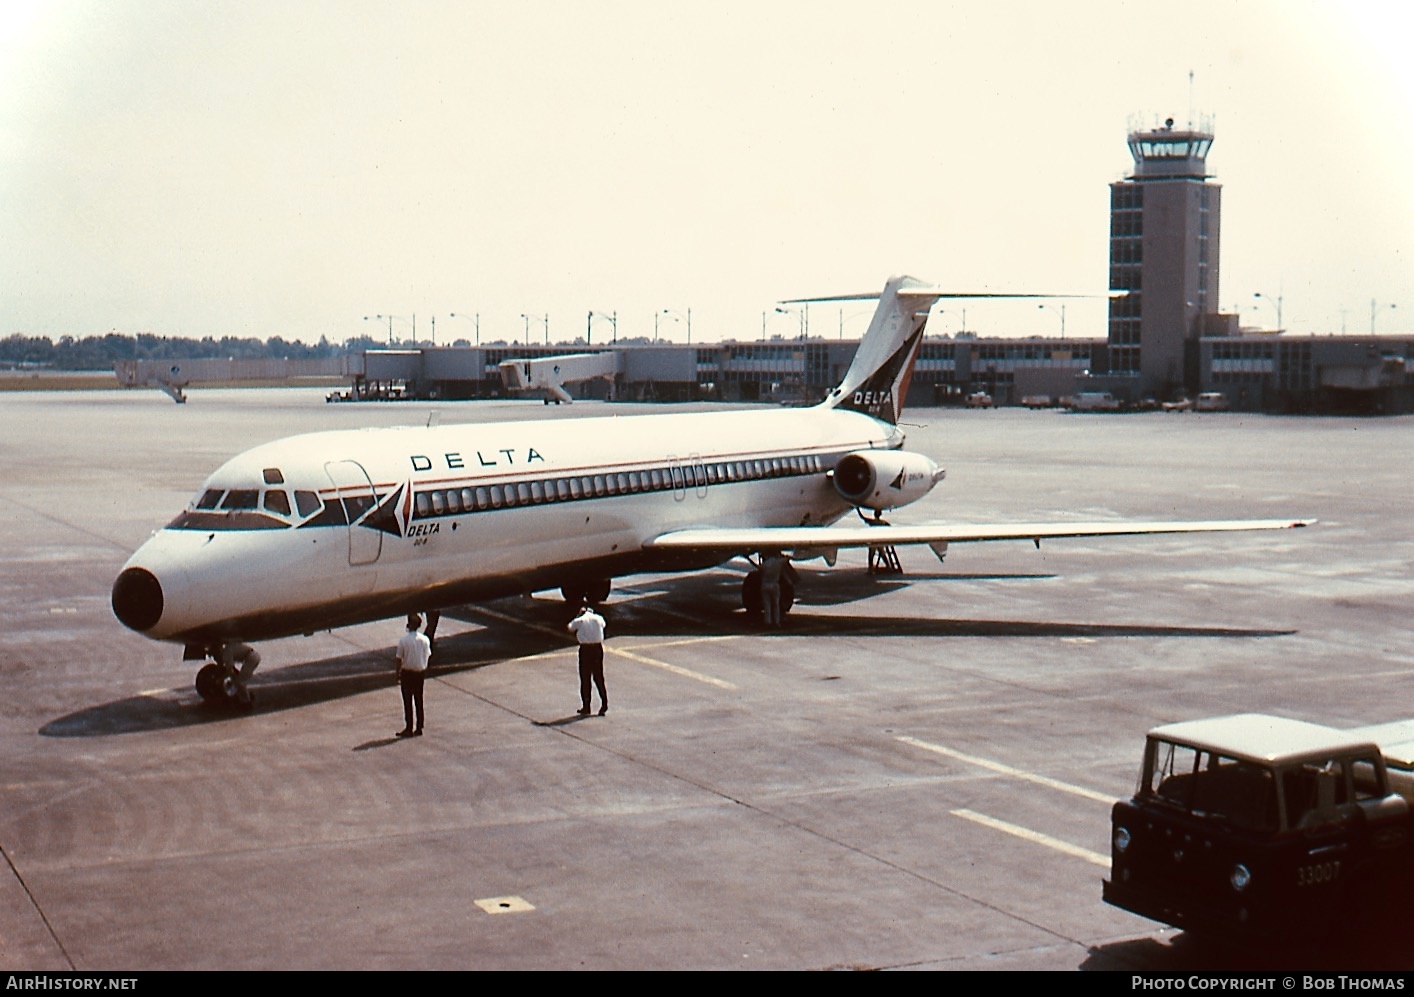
(286, 168)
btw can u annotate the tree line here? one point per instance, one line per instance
(99, 352)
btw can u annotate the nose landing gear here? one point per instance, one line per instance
(225, 680)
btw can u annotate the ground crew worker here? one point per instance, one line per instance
(588, 628)
(414, 651)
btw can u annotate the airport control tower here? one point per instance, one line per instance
(1164, 225)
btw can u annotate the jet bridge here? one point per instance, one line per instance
(549, 375)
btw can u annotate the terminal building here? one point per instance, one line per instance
(789, 371)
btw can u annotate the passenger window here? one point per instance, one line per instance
(277, 501)
(423, 505)
(439, 504)
(307, 503)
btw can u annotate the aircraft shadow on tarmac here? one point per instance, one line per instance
(694, 606)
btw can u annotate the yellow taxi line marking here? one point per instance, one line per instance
(692, 640)
(675, 669)
(1008, 770)
(505, 618)
(1026, 834)
(614, 649)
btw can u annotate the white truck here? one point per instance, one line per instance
(1255, 825)
(1095, 401)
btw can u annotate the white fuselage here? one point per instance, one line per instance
(327, 529)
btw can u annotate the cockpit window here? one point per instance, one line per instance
(237, 509)
(238, 499)
(307, 503)
(273, 476)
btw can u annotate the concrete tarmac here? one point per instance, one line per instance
(915, 774)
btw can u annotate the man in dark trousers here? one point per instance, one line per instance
(588, 628)
(414, 652)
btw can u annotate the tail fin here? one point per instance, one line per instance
(877, 379)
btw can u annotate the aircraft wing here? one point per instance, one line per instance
(749, 539)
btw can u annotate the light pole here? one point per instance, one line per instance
(475, 319)
(1276, 305)
(612, 319)
(799, 314)
(537, 318)
(1374, 310)
(961, 313)
(1062, 316)
(854, 315)
(672, 314)
(389, 320)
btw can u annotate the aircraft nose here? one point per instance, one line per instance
(137, 599)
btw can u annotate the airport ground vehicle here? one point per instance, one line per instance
(1095, 401)
(1211, 401)
(1261, 826)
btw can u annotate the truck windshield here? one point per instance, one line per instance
(1211, 785)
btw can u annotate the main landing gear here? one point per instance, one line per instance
(751, 590)
(593, 591)
(225, 680)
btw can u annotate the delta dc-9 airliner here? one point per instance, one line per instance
(329, 529)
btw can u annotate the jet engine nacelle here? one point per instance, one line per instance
(885, 479)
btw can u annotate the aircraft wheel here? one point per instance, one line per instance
(751, 593)
(237, 697)
(208, 683)
(598, 590)
(573, 593)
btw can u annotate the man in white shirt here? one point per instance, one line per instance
(588, 628)
(414, 652)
